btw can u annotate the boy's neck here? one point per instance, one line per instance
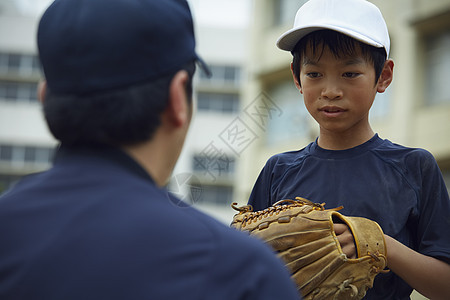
(343, 140)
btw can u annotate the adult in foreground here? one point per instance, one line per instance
(99, 224)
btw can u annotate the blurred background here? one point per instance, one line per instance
(249, 109)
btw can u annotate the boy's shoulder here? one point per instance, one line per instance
(399, 153)
(289, 157)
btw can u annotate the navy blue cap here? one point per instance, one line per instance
(89, 46)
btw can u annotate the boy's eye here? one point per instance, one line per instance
(350, 74)
(313, 75)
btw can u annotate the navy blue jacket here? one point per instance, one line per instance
(95, 226)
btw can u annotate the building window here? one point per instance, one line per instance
(15, 154)
(22, 64)
(14, 62)
(222, 75)
(284, 11)
(5, 152)
(217, 102)
(213, 165)
(216, 194)
(18, 91)
(437, 63)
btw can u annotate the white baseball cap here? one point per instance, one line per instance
(358, 19)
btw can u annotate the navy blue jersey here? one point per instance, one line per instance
(400, 188)
(95, 226)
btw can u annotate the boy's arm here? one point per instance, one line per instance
(426, 274)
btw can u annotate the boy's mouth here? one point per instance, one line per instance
(332, 110)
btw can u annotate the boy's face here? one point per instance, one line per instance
(338, 91)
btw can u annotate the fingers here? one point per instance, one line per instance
(340, 228)
(345, 239)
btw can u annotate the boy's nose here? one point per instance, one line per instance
(331, 91)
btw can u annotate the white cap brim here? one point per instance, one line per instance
(290, 38)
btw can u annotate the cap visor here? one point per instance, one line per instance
(290, 38)
(203, 66)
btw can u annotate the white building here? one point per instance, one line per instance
(25, 143)
(206, 174)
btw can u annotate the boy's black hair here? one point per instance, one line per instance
(119, 117)
(340, 45)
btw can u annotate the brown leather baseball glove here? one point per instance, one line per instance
(301, 232)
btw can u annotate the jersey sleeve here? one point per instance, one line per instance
(434, 206)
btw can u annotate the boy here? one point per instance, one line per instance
(341, 60)
(100, 224)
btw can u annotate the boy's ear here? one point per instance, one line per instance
(297, 84)
(41, 90)
(178, 109)
(386, 76)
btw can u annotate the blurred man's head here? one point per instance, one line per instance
(108, 65)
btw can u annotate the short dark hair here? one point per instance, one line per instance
(340, 45)
(124, 116)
